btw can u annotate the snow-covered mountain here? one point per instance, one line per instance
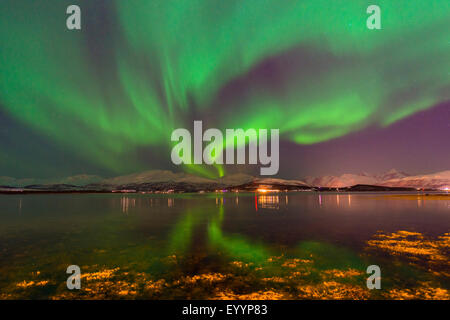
(77, 180)
(274, 181)
(165, 176)
(236, 179)
(438, 180)
(344, 180)
(155, 176)
(351, 179)
(391, 178)
(391, 174)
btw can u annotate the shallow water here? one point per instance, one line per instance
(303, 245)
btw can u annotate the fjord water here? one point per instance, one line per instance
(296, 245)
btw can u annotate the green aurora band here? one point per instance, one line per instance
(160, 64)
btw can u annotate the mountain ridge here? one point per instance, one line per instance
(351, 179)
(164, 179)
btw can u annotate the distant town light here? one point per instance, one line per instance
(263, 190)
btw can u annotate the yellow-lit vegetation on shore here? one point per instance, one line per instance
(280, 276)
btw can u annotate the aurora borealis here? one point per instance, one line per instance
(105, 99)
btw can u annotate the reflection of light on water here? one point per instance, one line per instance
(126, 203)
(221, 201)
(269, 202)
(349, 200)
(320, 200)
(337, 199)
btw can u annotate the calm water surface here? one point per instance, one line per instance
(303, 245)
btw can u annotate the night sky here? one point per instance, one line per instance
(105, 99)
